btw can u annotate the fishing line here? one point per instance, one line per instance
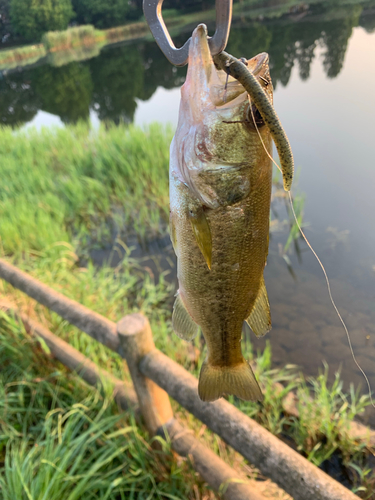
(320, 263)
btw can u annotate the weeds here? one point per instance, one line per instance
(57, 435)
(20, 56)
(71, 38)
(325, 414)
(127, 32)
(62, 57)
(74, 44)
(76, 180)
(61, 439)
(63, 191)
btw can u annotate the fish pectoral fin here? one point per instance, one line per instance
(259, 319)
(202, 232)
(182, 323)
(239, 380)
(172, 229)
(173, 234)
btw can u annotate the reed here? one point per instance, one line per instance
(62, 57)
(21, 56)
(69, 184)
(62, 438)
(71, 38)
(60, 188)
(127, 32)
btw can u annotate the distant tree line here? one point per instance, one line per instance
(29, 19)
(105, 84)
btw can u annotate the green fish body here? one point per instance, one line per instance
(220, 191)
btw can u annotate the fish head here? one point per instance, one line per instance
(216, 134)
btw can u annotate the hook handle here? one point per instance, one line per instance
(179, 57)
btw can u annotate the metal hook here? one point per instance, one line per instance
(179, 57)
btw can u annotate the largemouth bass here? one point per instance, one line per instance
(220, 192)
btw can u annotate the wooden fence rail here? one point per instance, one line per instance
(150, 370)
(212, 469)
(97, 326)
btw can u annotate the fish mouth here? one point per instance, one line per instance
(200, 59)
(259, 64)
(201, 72)
(212, 86)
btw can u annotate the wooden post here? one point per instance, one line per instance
(135, 336)
(275, 459)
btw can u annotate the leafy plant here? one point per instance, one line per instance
(325, 413)
(32, 18)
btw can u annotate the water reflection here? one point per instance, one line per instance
(65, 91)
(118, 79)
(18, 100)
(289, 41)
(111, 82)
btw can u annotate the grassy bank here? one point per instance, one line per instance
(67, 185)
(71, 38)
(61, 438)
(63, 191)
(21, 56)
(73, 44)
(85, 36)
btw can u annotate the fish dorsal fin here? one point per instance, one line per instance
(259, 319)
(202, 232)
(182, 323)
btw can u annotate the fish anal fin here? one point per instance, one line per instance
(239, 380)
(202, 232)
(259, 319)
(182, 323)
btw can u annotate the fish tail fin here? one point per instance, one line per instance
(239, 380)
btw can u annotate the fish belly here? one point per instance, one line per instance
(221, 298)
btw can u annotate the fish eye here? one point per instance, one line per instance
(253, 112)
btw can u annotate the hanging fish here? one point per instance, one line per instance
(220, 192)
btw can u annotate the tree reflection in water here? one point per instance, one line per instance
(118, 79)
(112, 82)
(336, 38)
(65, 91)
(18, 100)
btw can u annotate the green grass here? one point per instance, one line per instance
(51, 420)
(70, 38)
(61, 192)
(325, 410)
(64, 185)
(74, 44)
(126, 32)
(21, 56)
(62, 57)
(328, 415)
(62, 439)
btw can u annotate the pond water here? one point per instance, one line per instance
(322, 59)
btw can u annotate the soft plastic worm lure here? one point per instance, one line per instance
(238, 70)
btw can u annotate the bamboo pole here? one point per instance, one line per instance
(213, 470)
(96, 325)
(136, 339)
(217, 474)
(292, 472)
(75, 361)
